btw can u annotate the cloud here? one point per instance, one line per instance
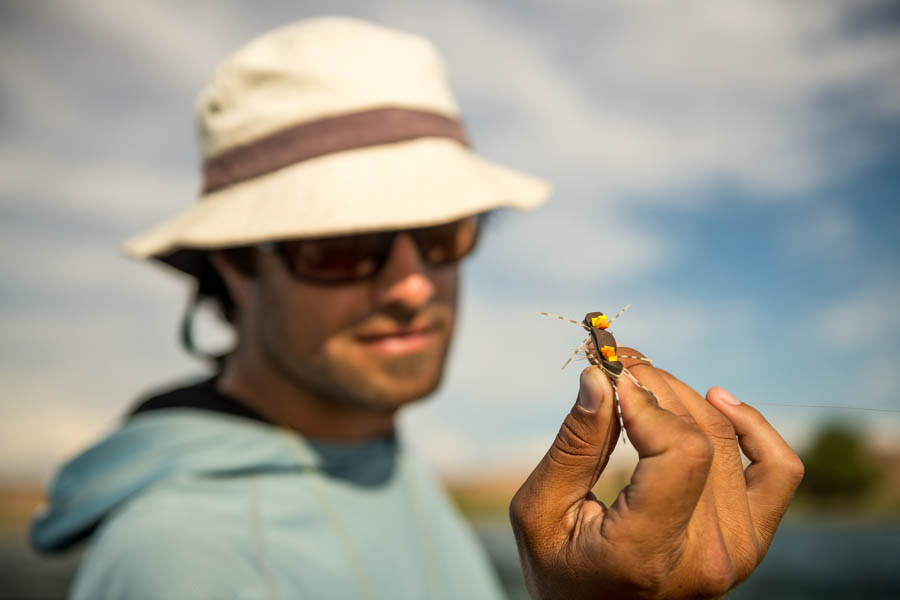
(638, 98)
(619, 104)
(557, 251)
(825, 231)
(865, 321)
(878, 384)
(643, 98)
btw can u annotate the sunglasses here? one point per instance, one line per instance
(350, 258)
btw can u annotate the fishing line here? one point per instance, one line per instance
(585, 325)
(887, 410)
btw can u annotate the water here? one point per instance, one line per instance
(24, 575)
(806, 561)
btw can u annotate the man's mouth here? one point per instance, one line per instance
(399, 340)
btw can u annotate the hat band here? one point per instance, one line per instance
(326, 136)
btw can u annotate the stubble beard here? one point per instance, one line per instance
(333, 378)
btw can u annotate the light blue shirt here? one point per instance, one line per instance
(185, 503)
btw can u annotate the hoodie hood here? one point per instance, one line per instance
(160, 445)
(187, 499)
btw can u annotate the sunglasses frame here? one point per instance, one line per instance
(278, 248)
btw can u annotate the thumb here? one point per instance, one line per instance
(580, 451)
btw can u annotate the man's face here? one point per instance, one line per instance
(376, 344)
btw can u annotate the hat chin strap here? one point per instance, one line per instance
(186, 334)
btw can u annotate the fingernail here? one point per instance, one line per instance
(589, 393)
(726, 397)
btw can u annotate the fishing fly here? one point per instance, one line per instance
(601, 349)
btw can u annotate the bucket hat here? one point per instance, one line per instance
(330, 126)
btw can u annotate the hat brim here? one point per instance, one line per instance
(414, 183)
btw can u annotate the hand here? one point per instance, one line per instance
(691, 523)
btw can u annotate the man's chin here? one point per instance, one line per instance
(391, 393)
(398, 383)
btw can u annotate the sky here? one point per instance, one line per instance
(731, 169)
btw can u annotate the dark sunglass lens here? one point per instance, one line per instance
(349, 258)
(444, 244)
(337, 259)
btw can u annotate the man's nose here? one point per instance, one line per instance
(404, 279)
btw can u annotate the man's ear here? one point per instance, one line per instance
(238, 284)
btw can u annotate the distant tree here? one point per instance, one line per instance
(838, 467)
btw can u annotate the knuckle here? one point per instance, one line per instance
(718, 575)
(518, 510)
(571, 443)
(647, 581)
(666, 375)
(720, 428)
(794, 469)
(719, 584)
(696, 446)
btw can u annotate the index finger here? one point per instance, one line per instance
(675, 457)
(648, 375)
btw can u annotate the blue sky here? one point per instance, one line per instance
(729, 168)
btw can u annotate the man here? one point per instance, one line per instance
(339, 197)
